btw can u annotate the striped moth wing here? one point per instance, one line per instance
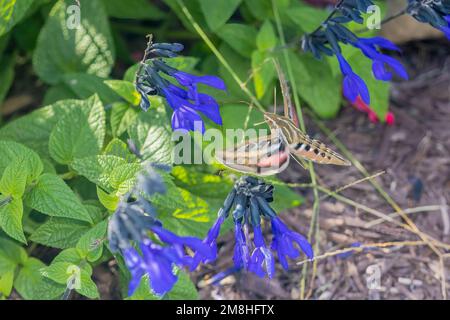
(300, 145)
(263, 156)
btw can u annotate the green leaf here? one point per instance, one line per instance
(118, 148)
(85, 85)
(152, 134)
(184, 288)
(60, 233)
(33, 130)
(260, 9)
(90, 245)
(71, 255)
(240, 66)
(241, 116)
(67, 47)
(11, 12)
(122, 117)
(80, 133)
(240, 37)
(218, 12)
(56, 93)
(132, 9)
(64, 273)
(97, 169)
(12, 152)
(263, 72)
(183, 63)
(6, 76)
(60, 272)
(31, 285)
(88, 287)
(285, 198)
(11, 255)
(6, 284)
(266, 38)
(123, 177)
(192, 218)
(95, 210)
(51, 196)
(204, 185)
(125, 89)
(11, 219)
(109, 201)
(14, 179)
(307, 17)
(317, 85)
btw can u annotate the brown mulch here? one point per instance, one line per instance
(414, 153)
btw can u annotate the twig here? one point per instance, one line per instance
(407, 211)
(331, 15)
(386, 20)
(362, 247)
(145, 57)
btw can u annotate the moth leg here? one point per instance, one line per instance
(301, 162)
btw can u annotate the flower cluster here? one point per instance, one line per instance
(327, 38)
(250, 200)
(135, 221)
(186, 101)
(433, 12)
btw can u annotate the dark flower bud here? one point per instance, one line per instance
(174, 47)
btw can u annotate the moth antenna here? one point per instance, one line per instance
(287, 101)
(274, 100)
(259, 123)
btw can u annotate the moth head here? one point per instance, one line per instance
(269, 118)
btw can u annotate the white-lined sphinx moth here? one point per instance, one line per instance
(270, 154)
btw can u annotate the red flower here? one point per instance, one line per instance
(362, 106)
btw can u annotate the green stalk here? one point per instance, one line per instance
(314, 226)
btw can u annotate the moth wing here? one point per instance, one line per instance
(262, 156)
(316, 151)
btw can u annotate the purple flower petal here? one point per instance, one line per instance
(211, 241)
(159, 268)
(261, 260)
(241, 255)
(187, 119)
(380, 42)
(283, 242)
(135, 265)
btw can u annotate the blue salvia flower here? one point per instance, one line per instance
(186, 101)
(135, 221)
(370, 47)
(250, 198)
(262, 259)
(326, 40)
(284, 240)
(434, 12)
(446, 29)
(352, 85)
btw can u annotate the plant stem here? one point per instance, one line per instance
(386, 20)
(331, 15)
(314, 226)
